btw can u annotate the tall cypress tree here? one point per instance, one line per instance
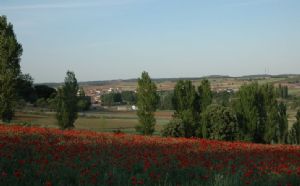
(10, 53)
(282, 131)
(205, 95)
(67, 102)
(247, 107)
(147, 101)
(186, 105)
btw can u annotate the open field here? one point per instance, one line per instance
(294, 91)
(96, 121)
(39, 156)
(107, 121)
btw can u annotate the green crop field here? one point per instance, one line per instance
(95, 121)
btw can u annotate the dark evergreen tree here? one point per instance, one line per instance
(25, 89)
(10, 53)
(282, 130)
(44, 91)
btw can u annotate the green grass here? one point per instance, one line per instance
(95, 121)
(294, 92)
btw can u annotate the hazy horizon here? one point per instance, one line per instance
(118, 39)
(179, 77)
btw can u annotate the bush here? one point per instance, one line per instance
(174, 128)
(219, 123)
(41, 102)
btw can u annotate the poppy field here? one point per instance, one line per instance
(40, 156)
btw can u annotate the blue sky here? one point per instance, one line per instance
(118, 39)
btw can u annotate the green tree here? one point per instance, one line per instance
(165, 102)
(107, 99)
(294, 133)
(248, 107)
(174, 128)
(81, 92)
(186, 105)
(223, 98)
(67, 102)
(282, 130)
(129, 97)
(44, 91)
(111, 99)
(25, 89)
(52, 103)
(219, 123)
(282, 91)
(10, 53)
(84, 102)
(117, 98)
(205, 95)
(42, 103)
(260, 117)
(147, 101)
(270, 120)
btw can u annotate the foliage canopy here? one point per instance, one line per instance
(10, 53)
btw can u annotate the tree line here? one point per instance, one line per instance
(255, 113)
(119, 98)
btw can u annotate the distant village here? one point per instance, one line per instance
(96, 93)
(226, 85)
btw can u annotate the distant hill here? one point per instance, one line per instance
(159, 80)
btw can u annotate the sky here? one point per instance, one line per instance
(118, 39)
